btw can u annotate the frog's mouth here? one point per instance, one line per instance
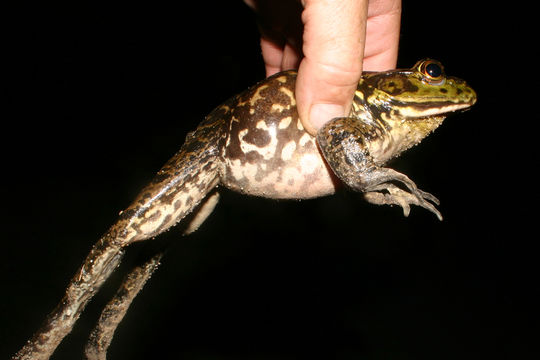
(420, 111)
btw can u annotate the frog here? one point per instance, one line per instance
(255, 144)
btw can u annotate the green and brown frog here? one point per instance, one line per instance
(255, 144)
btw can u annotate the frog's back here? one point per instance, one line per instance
(267, 152)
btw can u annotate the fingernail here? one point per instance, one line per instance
(320, 114)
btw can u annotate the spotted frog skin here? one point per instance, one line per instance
(255, 144)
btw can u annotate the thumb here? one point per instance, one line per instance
(333, 47)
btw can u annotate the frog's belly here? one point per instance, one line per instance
(280, 170)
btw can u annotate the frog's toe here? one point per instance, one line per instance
(426, 200)
(379, 198)
(429, 206)
(393, 195)
(427, 196)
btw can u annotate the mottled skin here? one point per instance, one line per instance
(255, 144)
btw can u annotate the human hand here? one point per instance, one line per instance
(330, 42)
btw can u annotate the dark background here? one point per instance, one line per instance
(100, 96)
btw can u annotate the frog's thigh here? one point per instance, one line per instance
(202, 212)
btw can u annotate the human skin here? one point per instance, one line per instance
(330, 42)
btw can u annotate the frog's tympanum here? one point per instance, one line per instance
(255, 144)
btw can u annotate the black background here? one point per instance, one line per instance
(100, 96)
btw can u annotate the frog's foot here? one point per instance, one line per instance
(390, 194)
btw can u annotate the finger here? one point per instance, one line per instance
(291, 57)
(272, 53)
(333, 47)
(382, 35)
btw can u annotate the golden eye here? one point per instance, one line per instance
(432, 71)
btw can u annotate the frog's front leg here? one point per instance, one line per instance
(344, 144)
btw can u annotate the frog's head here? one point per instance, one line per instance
(412, 102)
(419, 92)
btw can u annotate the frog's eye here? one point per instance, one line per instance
(432, 71)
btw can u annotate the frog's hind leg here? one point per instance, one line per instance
(176, 190)
(204, 210)
(113, 313)
(115, 310)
